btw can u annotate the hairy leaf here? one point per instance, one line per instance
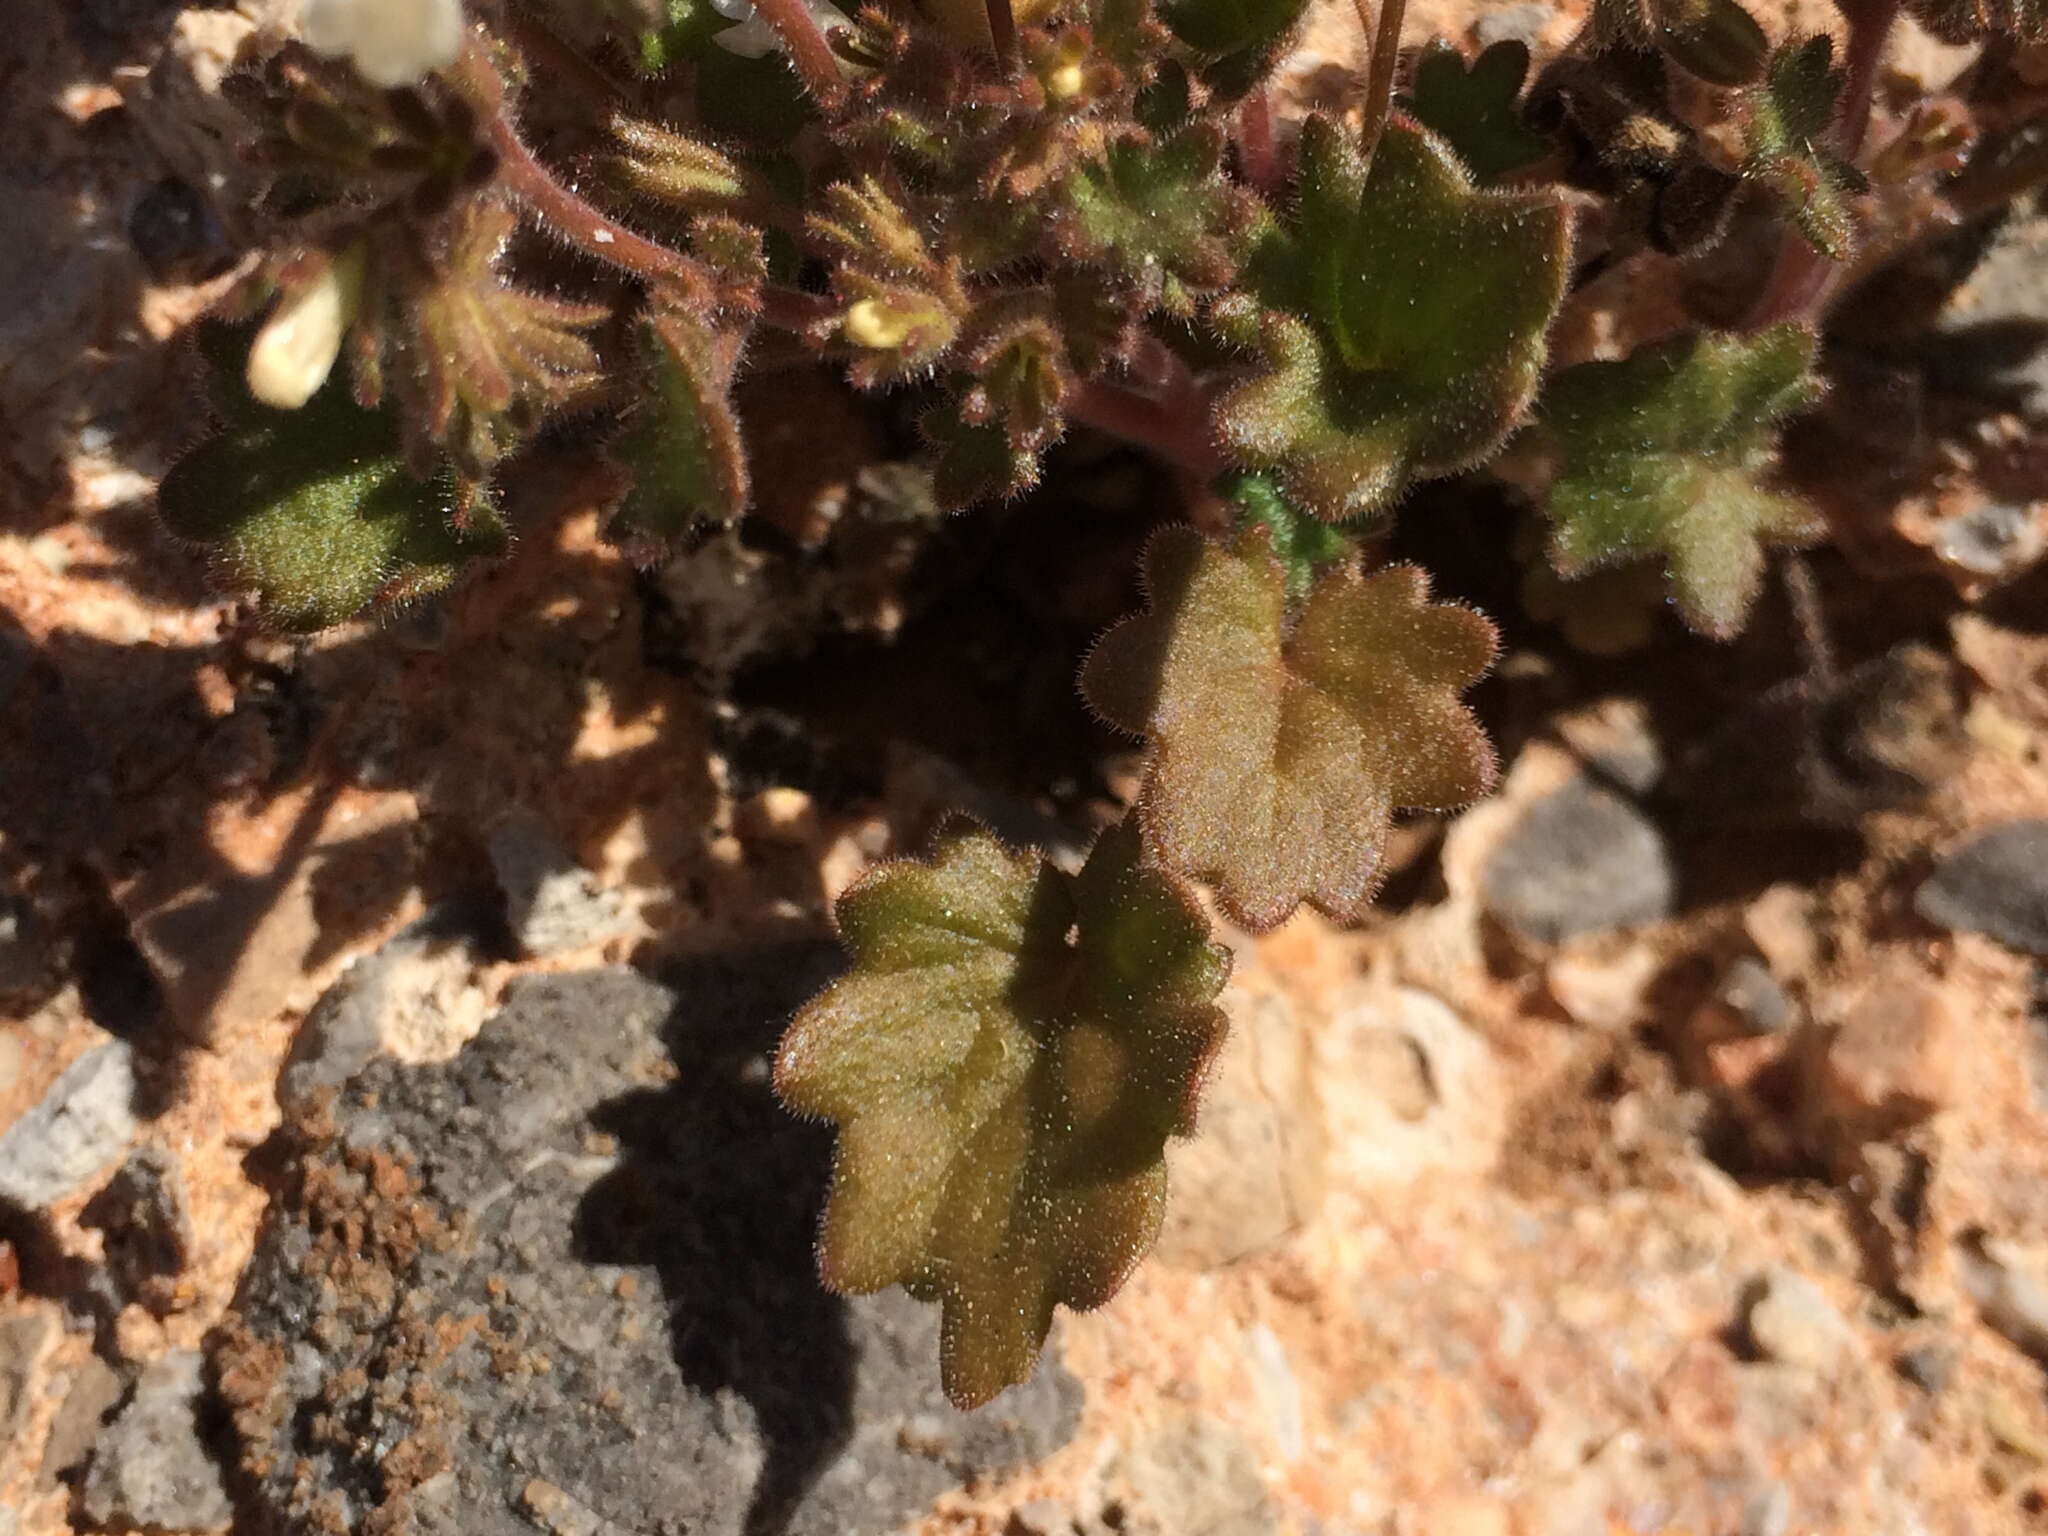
(975, 460)
(1411, 361)
(1661, 454)
(1239, 39)
(1788, 122)
(681, 443)
(1473, 110)
(1005, 1061)
(1303, 544)
(1717, 40)
(1279, 754)
(315, 511)
(1146, 210)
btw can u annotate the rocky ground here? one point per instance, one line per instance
(385, 1137)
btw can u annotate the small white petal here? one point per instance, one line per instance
(296, 349)
(393, 42)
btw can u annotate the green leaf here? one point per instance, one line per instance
(975, 460)
(1426, 301)
(681, 443)
(1147, 211)
(1474, 110)
(1661, 454)
(1005, 1061)
(1240, 39)
(1278, 752)
(315, 511)
(1303, 544)
(1787, 125)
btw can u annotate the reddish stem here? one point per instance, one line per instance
(1379, 83)
(1177, 432)
(1002, 30)
(809, 51)
(1255, 143)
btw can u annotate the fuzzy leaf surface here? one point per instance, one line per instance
(1239, 38)
(1409, 364)
(1788, 122)
(1145, 210)
(1279, 754)
(315, 511)
(1005, 1061)
(1474, 110)
(682, 442)
(1661, 453)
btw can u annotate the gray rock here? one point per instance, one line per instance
(1752, 996)
(1996, 884)
(1792, 1322)
(82, 1124)
(1582, 860)
(1928, 1366)
(603, 1182)
(150, 1469)
(551, 902)
(148, 1233)
(91, 1396)
(25, 1342)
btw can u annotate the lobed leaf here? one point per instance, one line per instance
(1408, 364)
(1150, 210)
(1661, 454)
(1279, 754)
(1474, 110)
(1005, 1061)
(315, 511)
(1788, 122)
(1239, 39)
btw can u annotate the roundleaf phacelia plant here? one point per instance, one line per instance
(483, 217)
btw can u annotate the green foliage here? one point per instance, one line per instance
(1473, 110)
(1279, 752)
(1159, 214)
(315, 512)
(1303, 544)
(1005, 1061)
(681, 446)
(1789, 117)
(1378, 370)
(1661, 455)
(1238, 39)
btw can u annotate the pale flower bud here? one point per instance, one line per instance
(295, 350)
(393, 42)
(871, 323)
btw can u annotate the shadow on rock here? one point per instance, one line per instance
(719, 1190)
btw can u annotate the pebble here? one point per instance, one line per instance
(552, 903)
(1768, 1512)
(1197, 1475)
(2009, 1293)
(1891, 1061)
(92, 1392)
(1582, 860)
(1996, 883)
(83, 1123)
(1040, 1517)
(25, 1341)
(149, 1467)
(1927, 1366)
(1751, 996)
(1792, 1322)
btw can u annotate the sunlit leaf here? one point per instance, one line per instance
(1661, 455)
(1279, 752)
(1005, 1061)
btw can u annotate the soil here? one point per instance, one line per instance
(1485, 1234)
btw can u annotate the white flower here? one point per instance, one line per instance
(393, 42)
(296, 349)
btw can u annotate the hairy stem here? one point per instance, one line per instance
(1379, 81)
(1255, 142)
(539, 43)
(1002, 29)
(809, 52)
(1870, 26)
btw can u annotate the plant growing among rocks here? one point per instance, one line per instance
(486, 218)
